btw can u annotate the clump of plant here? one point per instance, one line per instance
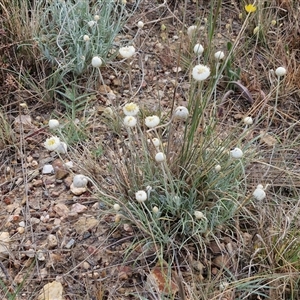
(71, 33)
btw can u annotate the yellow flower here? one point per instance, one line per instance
(250, 8)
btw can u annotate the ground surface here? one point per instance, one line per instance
(55, 235)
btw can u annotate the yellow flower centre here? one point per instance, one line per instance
(250, 8)
(130, 107)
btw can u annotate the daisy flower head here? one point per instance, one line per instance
(236, 153)
(152, 121)
(127, 52)
(198, 49)
(181, 113)
(280, 71)
(131, 109)
(250, 8)
(52, 143)
(130, 121)
(96, 62)
(200, 72)
(141, 196)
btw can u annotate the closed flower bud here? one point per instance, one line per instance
(96, 62)
(181, 113)
(155, 209)
(218, 168)
(117, 207)
(219, 55)
(280, 71)
(248, 121)
(140, 24)
(198, 49)
(236, 153)
(160, 157)
(53, 124)
(86, 38)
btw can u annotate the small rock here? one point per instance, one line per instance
(4, 244)
(61, 209)
(85, 265)
(23, 123)
(21, 230)
(51, 291)
(22, 224)
(77, 191)
(37, 182)
(52, 241)
(48, 169)
(40, 255)
(70, 244)
(43, 273)
(78, 208)
(85, 224)
(30, 253)
(34, 221)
